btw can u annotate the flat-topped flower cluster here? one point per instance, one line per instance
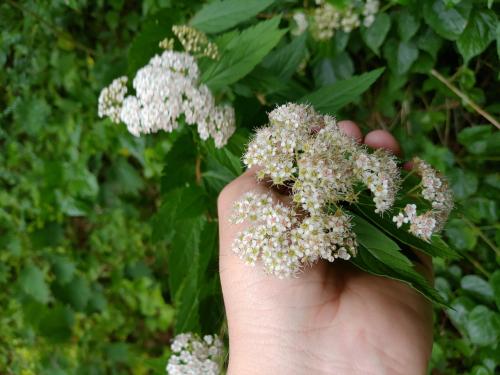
(168, 89)
(194, 356)
(306, 155)
(328, 18)
(435, 190)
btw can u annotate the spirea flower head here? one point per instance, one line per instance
(194, 356)
(111, 99)
(328, 18)
(195, 42)
(307, 153)
(167, 89)
(284, 243)
(435, 190)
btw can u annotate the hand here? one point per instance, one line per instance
(332, 319)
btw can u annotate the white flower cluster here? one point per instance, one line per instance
(327, 18)
(166, 89)
(436, 191)
(282, 242)
(195, 41)
(307, 153)
(193, 356)
(111, 99)
(379, 172)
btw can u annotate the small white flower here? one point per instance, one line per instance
(192, 356)
(301, 23)
(399, 220)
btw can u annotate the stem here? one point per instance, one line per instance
(483, 236)
(465, 98)
(476, 264)
(198, 170)
(413, 189)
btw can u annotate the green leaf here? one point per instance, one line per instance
(461, 235)
(32, 281)
(495, 285)
(180, 204)
(184, 263)
(217, 16)
(480, 140)
(430, 42)
(459, 311)
(374, 35)
(408, 24)
(331, 98)
(498, 39)
(371, 237)
(56, 323)
(285, 60)
(477, 286)
(449, 22)
(478, 34)
(380, 255)
(366, 261)
(437, 248)
(154, 29)
(242, 53)
(407, 54)
(180, 164)
(63, 268)
(483, 326)
(463, 183)
(479, 208)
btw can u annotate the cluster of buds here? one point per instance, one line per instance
(195, 42)
(192, 355)
(328, 18)
(435, 190)
(307, 154)
(166, 91)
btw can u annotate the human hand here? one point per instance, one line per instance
(332, 319)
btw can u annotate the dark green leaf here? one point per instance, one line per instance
(495, 285)
(180, 204)
(375, 35)
(407, 54)
(480, 140)
(57, 323)
(145, 45)
(463, 183)
(285, 60)
(459, 311)
(242, 53)
(478, 34)
(408, 24)
(369, 263)
(180, 164)
(430, 42)
(217, 16)
(477, 286)
(483, 326)
(330, 99)
(32, 281)
(461, 235)
(449, 22)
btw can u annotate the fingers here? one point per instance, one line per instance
(383, 139)
(351, 129)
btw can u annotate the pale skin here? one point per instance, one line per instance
(332, 319)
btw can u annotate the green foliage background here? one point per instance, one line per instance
(103, 257)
